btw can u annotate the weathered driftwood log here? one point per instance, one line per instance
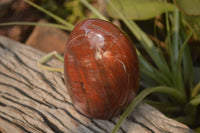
(36, 100)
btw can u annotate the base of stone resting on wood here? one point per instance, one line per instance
(36, 100)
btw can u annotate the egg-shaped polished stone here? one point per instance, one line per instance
(101, 69)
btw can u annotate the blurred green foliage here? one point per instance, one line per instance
(139, 9)
(70, 10)
(190, 7)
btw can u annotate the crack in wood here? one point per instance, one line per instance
(49, 123)
(26, 95)
(97, 125)
(74, 118)
(11, 117)
(2, 104)
(26, 79)
(13, 123)
(8, 94)
(20, 61)
(144, 126)
(114, 123)
(29, 84)
(2, 46)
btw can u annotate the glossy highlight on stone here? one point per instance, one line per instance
(101, 69)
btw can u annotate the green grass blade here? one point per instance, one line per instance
(188, 68)
(148, 46)
(60, 20)
(96, 12)
(178, 65)
(60, 57)
(173, 41)
(49, 68)
(195, 101)
(169, 44)
(187, 61)
(148, 69)
(37, 24)
(196, 90)
(176, 26)
(159, 78)
(46, 58)
(170, 91)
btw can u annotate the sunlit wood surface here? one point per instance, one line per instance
(36, 100)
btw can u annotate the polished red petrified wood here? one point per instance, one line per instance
(101, 69)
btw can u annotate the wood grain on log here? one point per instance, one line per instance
(36, 100)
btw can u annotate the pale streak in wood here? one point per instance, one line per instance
(36, 100)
